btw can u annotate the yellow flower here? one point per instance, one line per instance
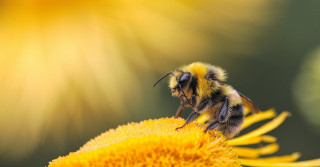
(150, 143)
(157, 143)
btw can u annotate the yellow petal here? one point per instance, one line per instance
(262, 162)
(246, 110)
(249, 120)
(256, 152)
(201, 119)
(269, 139)
(284, 158)
(254, 140)
(262, 130)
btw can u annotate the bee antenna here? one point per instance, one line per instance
(162, 78)
(185, 95)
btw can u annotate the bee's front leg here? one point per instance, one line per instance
(181, 108)
(189, 119)
(204, 103)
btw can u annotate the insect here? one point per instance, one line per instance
(202, 87)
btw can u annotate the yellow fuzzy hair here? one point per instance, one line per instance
(220, 73)
(232, 94)
(173, 81)
(200, 70)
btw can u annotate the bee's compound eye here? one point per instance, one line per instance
(184, 79)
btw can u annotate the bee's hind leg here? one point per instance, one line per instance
(189, 119)
(222, 115)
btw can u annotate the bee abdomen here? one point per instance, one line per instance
(233, 125)
(236, 115)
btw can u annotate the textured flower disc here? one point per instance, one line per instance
(153, 142)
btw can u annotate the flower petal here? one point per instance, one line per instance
(263, 162)
(246, 110)
(254, 140)
(249, 120)
(262, 130)
(284, 158)
(256, 152)
(201, 119)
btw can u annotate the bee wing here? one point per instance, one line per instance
(249, 103)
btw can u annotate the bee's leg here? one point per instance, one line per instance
(193, 100)
(224, 111)
(203, 104)
(189, 119)
(181, 108)
(222, 115)
(179, 111)
(212, 125)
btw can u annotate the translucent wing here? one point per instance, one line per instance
(249, 104)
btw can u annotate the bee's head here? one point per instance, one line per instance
(178, 82)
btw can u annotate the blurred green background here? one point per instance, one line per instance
(70, 70)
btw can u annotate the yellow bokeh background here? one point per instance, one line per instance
(72, 69)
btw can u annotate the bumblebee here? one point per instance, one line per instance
(202, 87)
